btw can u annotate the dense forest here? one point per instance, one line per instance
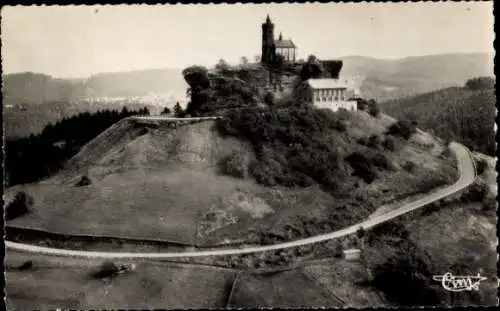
(35, 157)
(465, 114)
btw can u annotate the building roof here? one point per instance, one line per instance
(283, 44)
(328, 83)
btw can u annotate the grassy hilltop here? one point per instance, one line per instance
(272, 170)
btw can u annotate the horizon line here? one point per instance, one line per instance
(88, 76)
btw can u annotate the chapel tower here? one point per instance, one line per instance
(268, 48)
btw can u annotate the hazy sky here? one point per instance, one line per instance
(75, 41)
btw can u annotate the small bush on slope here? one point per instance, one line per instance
(403, 128)
(481, 166)
(389, 144)
(106, 270)
(84, 181)
(235, 165)
(19, 206)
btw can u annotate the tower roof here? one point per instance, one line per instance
(268, 19)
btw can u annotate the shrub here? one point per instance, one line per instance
(381, 161)
(362, 104)
(26, 265)
(340, 126)
(235, 165)
(262, 175)
(476, 193)
(362, 166)
(363, 141)
(489, 204)
(389, 144)
(166, 110)
(178, 112)
(84, 181)
(481, 166)
(431, 208)
(392, 228)
(406, 279)
(373, 108)
(374, 141)
(269, 99)
(19, 206)
(480, 83)
(409, 166)
(106, 270)
(403, 128)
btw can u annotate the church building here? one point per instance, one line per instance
(272, 47)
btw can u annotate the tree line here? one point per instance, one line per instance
(33, 158)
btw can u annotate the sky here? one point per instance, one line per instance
(78, 41)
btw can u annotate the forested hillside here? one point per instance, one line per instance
(465, 114)
(35, 157)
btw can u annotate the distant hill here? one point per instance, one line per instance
(36, 88)
(379, 78)
(384, 79)
(33, 100)
(24, 119)
(455, 113)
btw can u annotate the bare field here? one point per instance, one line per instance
(65, 283)
(344, 280)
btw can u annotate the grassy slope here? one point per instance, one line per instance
(467, 116)
(161, 183)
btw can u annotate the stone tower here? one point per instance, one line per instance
(268, 48)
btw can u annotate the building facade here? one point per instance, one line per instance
(333, 94)
(272, 47)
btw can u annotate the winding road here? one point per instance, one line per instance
(467, 172)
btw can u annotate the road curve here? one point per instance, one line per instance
(467, 173)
